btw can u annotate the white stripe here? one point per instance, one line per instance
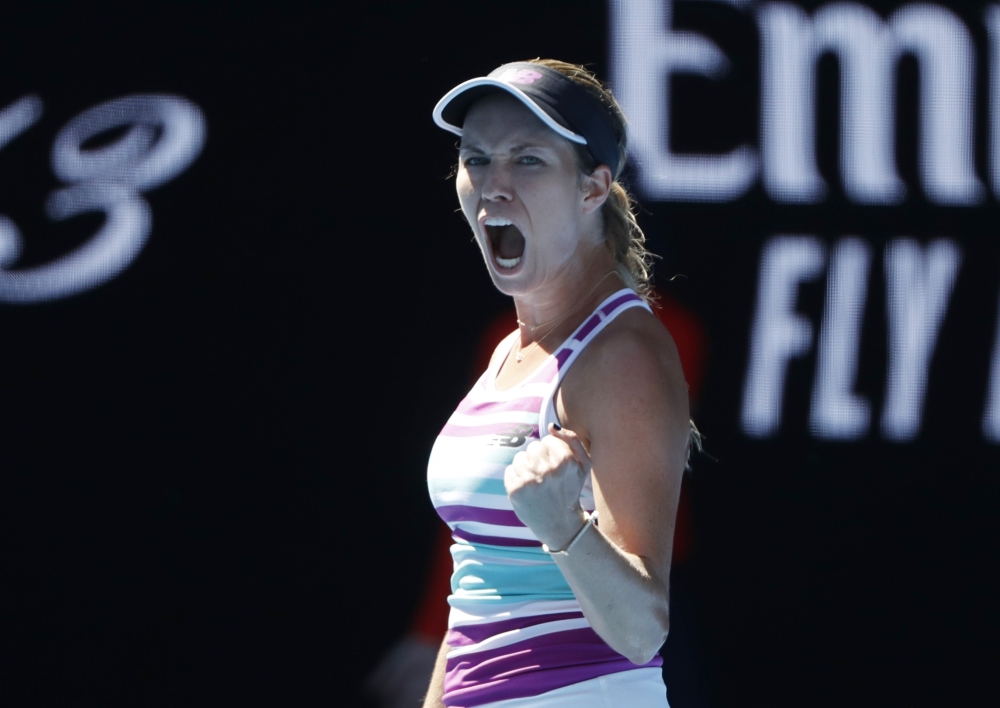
(437, 476)
(519, 635)
(538, 557)
(527, 552)
(483, 501)
(455, 453)
(490, 394)
(480, 529)
(448, 447)
(633, 687)
(512, 610)
(465, 560)
(526, 417)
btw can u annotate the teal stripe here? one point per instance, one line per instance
(482, 577)
(476, 581)
(500, 456)
(466, 484)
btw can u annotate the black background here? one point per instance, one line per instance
(212, 466)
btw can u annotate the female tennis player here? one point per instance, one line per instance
(559, 473)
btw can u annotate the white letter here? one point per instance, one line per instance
(993, 29)
(919, 282)
(991, 418)
(778, 333)
(942, 45)
(18, 117)
(837, 412)
(14, 120)
(868, 50)
(165, 135)
(792, 44)
(645, 51)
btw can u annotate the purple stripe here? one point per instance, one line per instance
(607, 309)
(470, 431)
(467, 634)
(522, 403)
(463, 536)
(587, 328)
(561, 356)
(497, 517)
(532, 667)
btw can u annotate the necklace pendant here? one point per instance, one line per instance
(519, 357)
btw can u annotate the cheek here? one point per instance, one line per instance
(557, 212)
(464, 188)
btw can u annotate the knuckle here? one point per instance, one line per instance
(559, 449)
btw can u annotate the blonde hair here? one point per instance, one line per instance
(621, 230)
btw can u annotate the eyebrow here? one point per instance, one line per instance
(516, 148)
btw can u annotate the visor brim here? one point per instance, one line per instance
(449, 113)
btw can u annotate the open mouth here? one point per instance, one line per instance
(507, 241)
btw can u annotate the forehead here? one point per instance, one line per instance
(500, 119)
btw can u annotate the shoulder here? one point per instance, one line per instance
(630, 370)
(634, 349)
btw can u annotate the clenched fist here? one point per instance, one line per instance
(544, 482)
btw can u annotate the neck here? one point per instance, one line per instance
(566, 301)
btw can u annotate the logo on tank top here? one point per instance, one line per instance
(515, 436)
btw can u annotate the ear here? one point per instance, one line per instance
(596, 188)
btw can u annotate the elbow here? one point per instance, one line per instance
(641, 655)
(641, 659)
(649, 642)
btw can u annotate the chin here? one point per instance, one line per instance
(512, 284)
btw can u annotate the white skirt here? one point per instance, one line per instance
(638, 688)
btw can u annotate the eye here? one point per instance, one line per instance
(476, 161)
(529, 160)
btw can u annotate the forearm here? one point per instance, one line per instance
(625, 604)
(435, 690)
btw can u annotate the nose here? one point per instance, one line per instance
(496, 184)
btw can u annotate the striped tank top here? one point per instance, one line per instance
(515, 628)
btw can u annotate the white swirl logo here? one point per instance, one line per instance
(165, 134)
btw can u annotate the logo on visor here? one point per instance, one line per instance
(520, 76)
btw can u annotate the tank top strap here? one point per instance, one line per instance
(615, 304)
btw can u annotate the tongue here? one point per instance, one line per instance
(511, 242)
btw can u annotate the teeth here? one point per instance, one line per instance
(497, 221)
(508, 262)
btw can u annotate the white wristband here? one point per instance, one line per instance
(591, 518)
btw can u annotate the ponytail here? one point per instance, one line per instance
(621, 230)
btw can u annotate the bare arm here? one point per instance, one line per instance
(623, 595)
(628, 407)
(435, 691)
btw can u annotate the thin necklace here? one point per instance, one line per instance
(521, 353)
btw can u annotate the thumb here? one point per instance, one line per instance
(575, 445)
